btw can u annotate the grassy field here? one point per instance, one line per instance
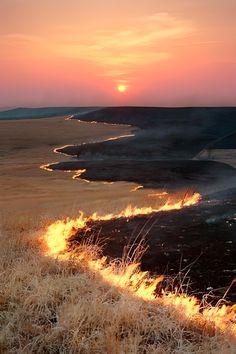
(50, 305)
(27, 144)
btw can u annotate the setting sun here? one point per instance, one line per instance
(122, 88)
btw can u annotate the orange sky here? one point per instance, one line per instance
(76, 52)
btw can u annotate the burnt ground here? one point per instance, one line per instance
(166, 174)
(161, 152)
(163, 133)
(197, 242)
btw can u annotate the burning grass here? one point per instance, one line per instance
(65, 301)
(61, 231)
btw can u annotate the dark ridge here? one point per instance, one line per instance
(228, 142)
(164, 133)
(148, 117)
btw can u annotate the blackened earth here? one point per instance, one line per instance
(196, 245)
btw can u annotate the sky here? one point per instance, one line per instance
(109, 52)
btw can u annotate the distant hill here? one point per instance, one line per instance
(45, 112)
(150, 117)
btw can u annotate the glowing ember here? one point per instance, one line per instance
(79, 173)
(46, 167)
(130, 278)
(159, 195)
(120, 137)
(135, 189)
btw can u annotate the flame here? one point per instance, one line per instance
(119, 137)
(59, 232)
(78, 173)
(70, 117)
(137, 188)
(46, 167)
(129, 277)
(159, 195)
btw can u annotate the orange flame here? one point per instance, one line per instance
(130, 278)
(46, 167)
(59, 232)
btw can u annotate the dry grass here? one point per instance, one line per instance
(50, 306)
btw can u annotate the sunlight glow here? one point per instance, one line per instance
(122, 88)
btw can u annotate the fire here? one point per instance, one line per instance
(60, 232)
(135, 189)
(159, 195)
(129, 278)
(78, 173)
(46, 167)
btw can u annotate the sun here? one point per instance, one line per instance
(122, 88)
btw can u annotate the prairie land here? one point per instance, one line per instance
(60, 297)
